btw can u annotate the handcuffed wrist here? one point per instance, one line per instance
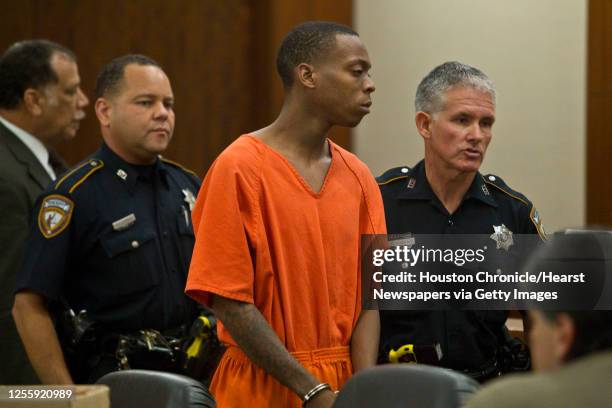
(314, 391)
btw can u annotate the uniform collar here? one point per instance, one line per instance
(128, 173)
(479, 191)
(417, 187)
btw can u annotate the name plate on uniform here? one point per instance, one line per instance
(124, 223)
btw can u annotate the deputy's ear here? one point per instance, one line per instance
(103, 111)
(423, 121)
(33, 101)
(305, 75)
(565, 336)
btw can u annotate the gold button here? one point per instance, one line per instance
(135, 244)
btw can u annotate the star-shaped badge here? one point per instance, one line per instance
(502, 237)
(189, 198)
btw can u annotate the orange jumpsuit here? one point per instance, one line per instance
(264, 237)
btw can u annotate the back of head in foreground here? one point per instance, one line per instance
(573, 330)
(571, 349)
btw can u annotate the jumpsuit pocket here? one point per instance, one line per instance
(133, 261)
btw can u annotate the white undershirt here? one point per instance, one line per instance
(36, 147)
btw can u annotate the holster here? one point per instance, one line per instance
(77, 337)
(203, 350)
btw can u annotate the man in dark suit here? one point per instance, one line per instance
(41, 104)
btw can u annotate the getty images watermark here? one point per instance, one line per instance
(483, 272)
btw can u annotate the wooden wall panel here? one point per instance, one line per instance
(599, 112)
(219, 56)
(282, 16)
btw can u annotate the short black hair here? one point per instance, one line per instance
(27, 64)
(305, 43)
(110, 77)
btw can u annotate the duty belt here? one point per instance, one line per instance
(432, 354)
(488, 370)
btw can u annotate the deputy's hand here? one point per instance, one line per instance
(324, 399)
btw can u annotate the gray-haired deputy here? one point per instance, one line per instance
(446, 194)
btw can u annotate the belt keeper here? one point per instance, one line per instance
(314, 391)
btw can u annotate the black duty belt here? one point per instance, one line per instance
(432, 354)
(488, 370)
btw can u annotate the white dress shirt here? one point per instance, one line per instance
(36, 147)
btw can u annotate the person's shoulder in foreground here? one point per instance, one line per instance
(575, 385)
(571, 349)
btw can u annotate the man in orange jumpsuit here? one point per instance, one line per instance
(278, 225)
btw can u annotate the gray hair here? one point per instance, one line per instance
(430, 92)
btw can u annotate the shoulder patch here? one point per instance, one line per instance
(54, 215)
(396, 173)
(534, 215)
(175, 164)
(75, 177)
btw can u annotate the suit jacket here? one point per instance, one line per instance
(22, 179)
(585, 383)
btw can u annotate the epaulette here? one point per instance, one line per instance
(180, 166)
(499, 184)
(534, 215)
(75, 177)
(396, 173)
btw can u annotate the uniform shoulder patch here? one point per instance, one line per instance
(396, 173)
(54, 215)
(77, 176)
(534, 215)
(175, 164)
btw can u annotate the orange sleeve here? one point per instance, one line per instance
(224, 219)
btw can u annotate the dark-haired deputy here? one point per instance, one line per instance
(113, 237)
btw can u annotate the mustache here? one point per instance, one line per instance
(80, 114)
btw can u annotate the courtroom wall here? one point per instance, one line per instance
(535, 52)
